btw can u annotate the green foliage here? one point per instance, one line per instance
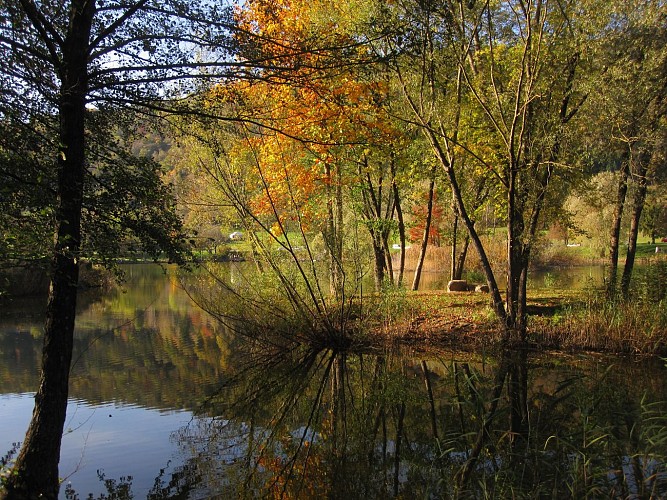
(27, 184)
(549, 280)
(654, 216)
(650, 283)
(390, 306)
(6, 462)
(127, 206)
(139, 210)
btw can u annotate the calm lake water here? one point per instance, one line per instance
(165, 403)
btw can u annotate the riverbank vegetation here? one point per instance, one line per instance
(487, 135)
(472, 137)
(581, 319)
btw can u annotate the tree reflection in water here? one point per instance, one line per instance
(305, 424)
(294, 422)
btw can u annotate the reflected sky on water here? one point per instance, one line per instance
(117, 439)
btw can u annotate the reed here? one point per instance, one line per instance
(632, 327)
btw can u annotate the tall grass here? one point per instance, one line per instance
(439, 259)
(635, 325)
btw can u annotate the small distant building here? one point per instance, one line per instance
(236, 236)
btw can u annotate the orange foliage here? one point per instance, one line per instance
(420, 211)
(299, 474)
(320, 117)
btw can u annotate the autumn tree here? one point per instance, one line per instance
(380, 201)
(67, 65)
(324, 135)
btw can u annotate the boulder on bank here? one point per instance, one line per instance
(457, 286)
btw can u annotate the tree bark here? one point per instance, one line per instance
(376, 224)
(380, 261)
(497, 301)
(333, 238)
(614, 240)
(401, 223)
(515, 230)
(455, 226)
(639, 199)
(427, 229)
(35, 473)
(461, 258)
(387, 256)
(458, 256)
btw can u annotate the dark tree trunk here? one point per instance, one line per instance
(401, 224)
(458, 257)
(35, 474)
(377, 223)
(380, 261)
(338, 233)
(515, 231)
(615, 237)
(522, 311)
(637, 208)
(387, 256)
(455, 226)
(333, 238)
(497, 301)
(461, 258)
(480, 196)
(427, 230)
(521, 236)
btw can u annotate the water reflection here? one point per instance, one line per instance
(339, 425)
(143, 343)
(300, 423)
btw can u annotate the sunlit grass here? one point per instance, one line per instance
(600, 325)
(582, 320)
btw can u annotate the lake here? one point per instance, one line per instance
(165, 402)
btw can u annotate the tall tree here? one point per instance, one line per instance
(637, 91)
(428, 231)
(515, 65)
(64, 59)
(378, 207)
(331, 133)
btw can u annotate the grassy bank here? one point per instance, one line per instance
(558, 320)
(637, 328)
(562, 319)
